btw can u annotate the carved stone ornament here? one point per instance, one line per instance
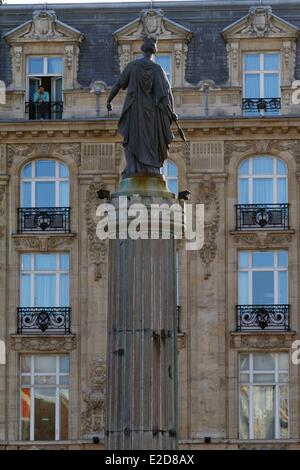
(260, 22)
(291, 146)
(262, 239)
(262, 340)
(43, 150)
(209, 197)
(97, 248)
(18, 57)
(43, 243)
(233, 54)
(124, 51)
(92, 419)
(69, 54)
(43, 344)
(261, 146)
(152, 23)
(43, 25)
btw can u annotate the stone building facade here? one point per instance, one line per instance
(233, 66)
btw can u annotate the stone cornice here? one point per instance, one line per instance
(108, 128)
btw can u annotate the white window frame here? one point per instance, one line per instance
(45, 73)
(32, 387)
(165, 173)
(277, 383)
(261, 73)
(45, 65)
(34, 179)
(251, 176)
(32, 272)
(276, 269)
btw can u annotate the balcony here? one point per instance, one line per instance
(50, 320)
(51, 110)
(261, 105)
(262, 216)
(44, 219)
(262, 317)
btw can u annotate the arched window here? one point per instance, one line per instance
(262, 180)
(45, 183)
(170, 174)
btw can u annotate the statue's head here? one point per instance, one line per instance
(150, 45)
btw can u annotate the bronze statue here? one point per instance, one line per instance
(147, 114)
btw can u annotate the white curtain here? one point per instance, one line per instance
(45, 289)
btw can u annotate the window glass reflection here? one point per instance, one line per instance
(44, 397)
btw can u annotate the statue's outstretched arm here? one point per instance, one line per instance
(114, 91)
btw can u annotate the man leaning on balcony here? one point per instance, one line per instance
(41, 100)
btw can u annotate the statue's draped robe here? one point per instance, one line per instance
(145, 122)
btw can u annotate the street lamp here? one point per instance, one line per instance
(98, 87)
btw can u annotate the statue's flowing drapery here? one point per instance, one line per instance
(146, 118)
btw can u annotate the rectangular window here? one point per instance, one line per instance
(261, 75)
(262, 80)
(45, 280)
(264, 396)
(44, 397)
(45, 66)
(263, 278)
(46, 71)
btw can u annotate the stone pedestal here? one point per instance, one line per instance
(142, 374)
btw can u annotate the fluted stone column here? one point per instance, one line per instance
(141, 359)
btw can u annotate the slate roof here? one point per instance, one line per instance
(98, 57)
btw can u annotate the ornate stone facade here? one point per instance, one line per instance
(209, 197)
(93, 419)
(219, 137)
(39, 344)
(97, 248)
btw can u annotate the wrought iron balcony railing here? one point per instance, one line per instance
(49, 320)
(262, 317)
(257, 105)
(262, 216)
(44, 219)
(51, 110)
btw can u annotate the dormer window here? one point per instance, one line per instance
(261, 53)
(46, 72)
(261, 87)
(45, 51)
(172, 37)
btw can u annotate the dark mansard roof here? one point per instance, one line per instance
(98, 57)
